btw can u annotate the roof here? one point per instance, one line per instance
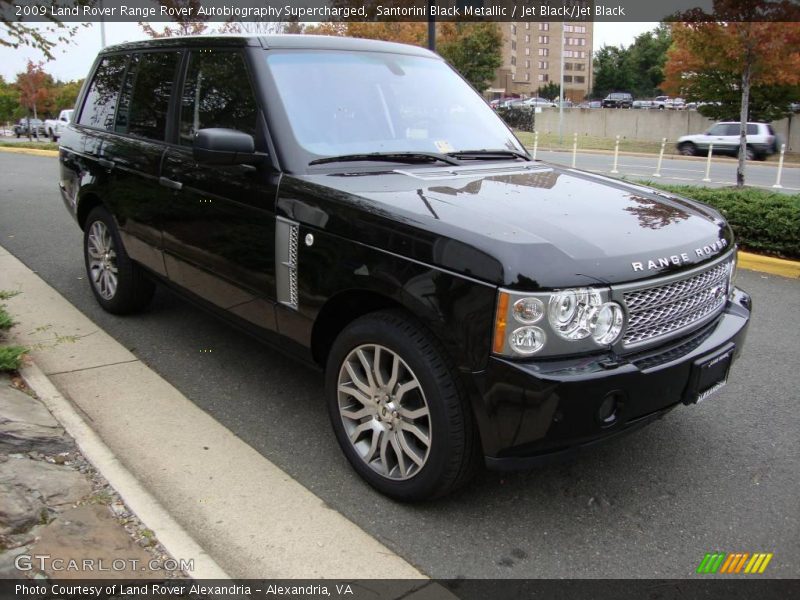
(293, 41)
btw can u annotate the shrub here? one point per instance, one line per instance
(522, 118)
(764, 221)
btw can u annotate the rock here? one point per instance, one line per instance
(53, 485)
(90, 532)
(7, 568)
(18, 511)
(26, 425)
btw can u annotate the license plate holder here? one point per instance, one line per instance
(709, 375)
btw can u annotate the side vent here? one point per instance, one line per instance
(286, 239)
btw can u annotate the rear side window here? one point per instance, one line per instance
(752, 129)
(217, 93)
(145, 98)
(732, 129)
(101, 99)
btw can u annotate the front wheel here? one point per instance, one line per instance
(397, 409)
(119, 284)
(687, 149)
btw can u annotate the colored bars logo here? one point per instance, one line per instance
(735, 562)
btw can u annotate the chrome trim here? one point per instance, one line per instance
(287, 234)
(661, 309)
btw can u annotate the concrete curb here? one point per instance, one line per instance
(30, 151)
(171, 535)
(769, 264)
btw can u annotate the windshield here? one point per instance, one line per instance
(341, 103)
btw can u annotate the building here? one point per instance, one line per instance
(532, 58)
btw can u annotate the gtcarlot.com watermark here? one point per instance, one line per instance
(46, 562)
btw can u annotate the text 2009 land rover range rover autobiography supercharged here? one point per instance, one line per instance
(359, 204)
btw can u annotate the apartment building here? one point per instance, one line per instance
(532, 58)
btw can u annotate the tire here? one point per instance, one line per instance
(120, 285)
(416, 406)
(688, 149)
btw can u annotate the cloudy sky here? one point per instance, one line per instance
(73, 61)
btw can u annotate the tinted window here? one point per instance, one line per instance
(217, 93)
(717, 130)
(145, 99)
(732, 129)
(752, 129)
(101, 99)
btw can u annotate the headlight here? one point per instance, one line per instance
(567, 321)
(572, 312)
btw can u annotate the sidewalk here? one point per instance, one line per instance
(253, 519)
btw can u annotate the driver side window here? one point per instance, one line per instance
(217, 93)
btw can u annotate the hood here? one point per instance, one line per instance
(520, 226)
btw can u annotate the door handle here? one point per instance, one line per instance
(171, 184)
(105, 163)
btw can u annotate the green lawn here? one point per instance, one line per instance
(48, 145)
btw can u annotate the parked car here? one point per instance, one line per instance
(618, 100)
(53, 127)
(35, 126)
(761, 140)
(542, 102)
(643, 104)
(356, 204)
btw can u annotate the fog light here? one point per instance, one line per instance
(527, 340)
(607, 413)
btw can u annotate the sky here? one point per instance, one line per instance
(73, 61)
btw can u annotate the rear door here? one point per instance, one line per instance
(219, 225)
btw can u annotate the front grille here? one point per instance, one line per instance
(662, 310)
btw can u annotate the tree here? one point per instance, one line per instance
(35, 89)
(9, 101)
(638, 69)
(744, 43)
(611, 71)
(65, 94)
(473, 49)
(185, 22)
(549, 90)
(14, 34)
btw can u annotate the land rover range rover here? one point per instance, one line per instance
(357, 203)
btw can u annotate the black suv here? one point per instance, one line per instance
(357, 204)
(618, 100)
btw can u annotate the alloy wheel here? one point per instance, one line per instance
(384, 411)
(102, 257)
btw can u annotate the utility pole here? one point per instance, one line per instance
(102, 27)
(561, 91)
(431, 27)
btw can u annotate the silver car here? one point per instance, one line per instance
(761, 140)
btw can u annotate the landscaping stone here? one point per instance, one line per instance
(18, 511)
(26, 425)
(90, 533)
(54, 485)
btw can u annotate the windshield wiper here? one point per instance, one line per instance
(408, 157)
(488, 154)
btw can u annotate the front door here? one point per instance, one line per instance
(219, 224)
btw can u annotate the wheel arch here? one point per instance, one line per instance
(87, 202)
(341, 310)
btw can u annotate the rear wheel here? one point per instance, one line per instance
(688, 149)
(398, 411)
(119, 284)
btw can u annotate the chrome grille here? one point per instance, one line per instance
(661, 310)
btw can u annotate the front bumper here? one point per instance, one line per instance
(528, 412)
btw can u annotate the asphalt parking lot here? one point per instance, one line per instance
(720, 476)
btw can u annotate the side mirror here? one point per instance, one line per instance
(217, 146)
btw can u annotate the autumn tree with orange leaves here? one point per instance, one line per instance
(35, 90)
(744, 42)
